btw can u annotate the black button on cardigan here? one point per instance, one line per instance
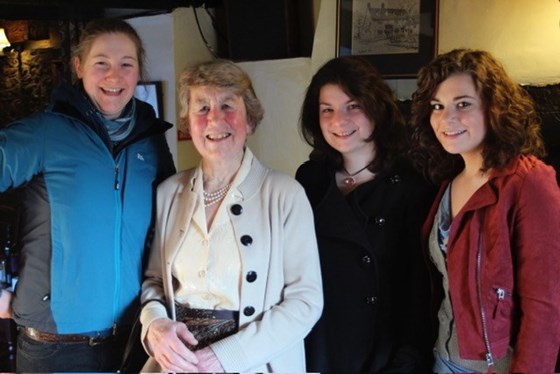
(236, 209)
(249, 311)
(251, 276)
(246, 240)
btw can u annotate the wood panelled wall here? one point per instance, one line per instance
(27, 77)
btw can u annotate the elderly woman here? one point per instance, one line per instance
(233, 283)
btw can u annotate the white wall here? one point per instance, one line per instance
(155, 32)
(173, 42)
(523, 34)
(280, 86)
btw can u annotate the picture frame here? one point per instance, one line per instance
(152, 93)
(398, 37)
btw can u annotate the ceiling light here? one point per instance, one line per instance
(4, 42)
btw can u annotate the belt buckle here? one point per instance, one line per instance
(92, 342)
(99, 338)
(96, 340)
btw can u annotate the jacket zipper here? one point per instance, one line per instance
(489, 357)
(117, 184)
(116, 259)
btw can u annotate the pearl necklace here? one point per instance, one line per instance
(213, 197)
(349, 180)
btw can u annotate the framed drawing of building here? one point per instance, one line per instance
(396, 36)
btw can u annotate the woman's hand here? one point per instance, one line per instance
(6, 304)
(208, 362)
(166, 339)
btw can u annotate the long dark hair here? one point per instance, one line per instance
(360, 81)
(512, 122)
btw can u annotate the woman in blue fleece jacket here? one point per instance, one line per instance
(87, 167)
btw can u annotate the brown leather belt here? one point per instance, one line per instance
(46, 337)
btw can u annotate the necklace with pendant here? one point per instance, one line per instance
(349, 180)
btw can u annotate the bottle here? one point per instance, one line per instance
(8, 329)
(8, 258)
(2, 271)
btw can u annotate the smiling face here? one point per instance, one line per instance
(344, 123)
(110, 72)
(457, 116)
(218, 124)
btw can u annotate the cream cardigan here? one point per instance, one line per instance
(275, 227)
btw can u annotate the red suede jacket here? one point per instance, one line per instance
(504, 267)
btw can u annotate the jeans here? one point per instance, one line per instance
(442, 365)
(34, 356)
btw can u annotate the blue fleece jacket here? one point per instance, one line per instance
(87, 211)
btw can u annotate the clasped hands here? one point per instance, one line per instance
(167, 338)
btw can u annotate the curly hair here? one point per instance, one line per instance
(513, 126)
(360, 81)
(223, 74)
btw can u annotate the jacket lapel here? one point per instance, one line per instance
(179, 218)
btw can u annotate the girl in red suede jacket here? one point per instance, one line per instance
(492, 231)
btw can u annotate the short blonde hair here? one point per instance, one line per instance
(223, 74)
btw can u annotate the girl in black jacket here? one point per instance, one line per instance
(369, 205)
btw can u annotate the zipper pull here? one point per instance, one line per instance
(501, 293)
(117, 184)
(489, 359)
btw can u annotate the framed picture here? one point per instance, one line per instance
(151, 92)
(396, 36)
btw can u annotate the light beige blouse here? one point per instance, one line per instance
(208, 263)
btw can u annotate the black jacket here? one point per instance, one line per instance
(374, 278)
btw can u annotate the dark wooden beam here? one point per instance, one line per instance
(81, 10)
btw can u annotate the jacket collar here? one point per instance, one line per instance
(182, 208)
(487, 194)
(70, 100)
(251, 183)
